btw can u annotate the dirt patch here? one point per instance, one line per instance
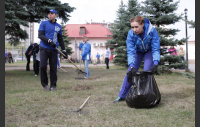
(79, 87)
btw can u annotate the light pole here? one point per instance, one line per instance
(186, 38)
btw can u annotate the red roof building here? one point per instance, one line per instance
(89, 30)
(97, 35)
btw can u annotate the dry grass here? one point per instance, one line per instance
(27, 104)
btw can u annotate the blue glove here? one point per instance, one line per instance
(80, 46)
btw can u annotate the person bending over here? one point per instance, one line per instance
(142, 42)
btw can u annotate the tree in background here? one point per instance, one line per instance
(119, 30)
(192, 23)
(161, 13)
(20, 12)
(66, 39)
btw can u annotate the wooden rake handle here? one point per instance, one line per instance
(67, 58)
(83, 103)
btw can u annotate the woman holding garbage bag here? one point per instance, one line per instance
(142, 42)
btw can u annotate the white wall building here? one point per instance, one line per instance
(97, 35)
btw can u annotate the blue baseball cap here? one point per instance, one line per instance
(53, 11)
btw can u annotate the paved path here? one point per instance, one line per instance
(191, 66)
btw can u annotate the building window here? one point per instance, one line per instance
(82, 30)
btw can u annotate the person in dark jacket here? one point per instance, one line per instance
(50, 33)
(28, 54)
(142, 42)
(10, 59)
(35, 61)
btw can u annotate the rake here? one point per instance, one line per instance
(78, 69)
(80, 108)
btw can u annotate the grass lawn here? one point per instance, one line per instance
(28, 105)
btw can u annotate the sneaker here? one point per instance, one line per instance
(46, 88)
(53, 88)
(118, 100)
(35, 75)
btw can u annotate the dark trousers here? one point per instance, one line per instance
(10, 59)
(45, 55)
(28, 62)
(183, 67)
(182, 57)
(36, 67)
(107, 62)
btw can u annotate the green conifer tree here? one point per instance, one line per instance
(20, 12)
(162, 13)
(66, 39)
(192, 23)
(120, 29)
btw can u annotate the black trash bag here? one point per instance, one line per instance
(144, 92)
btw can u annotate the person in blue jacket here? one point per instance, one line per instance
(86, 53)
(98, 57)
(142, 42)
(50, 33)
(5, 56)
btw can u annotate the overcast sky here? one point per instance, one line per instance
(105, 10)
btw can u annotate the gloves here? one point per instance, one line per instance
(64, 52)
(154, 69)
(130, 75)
(51, 43)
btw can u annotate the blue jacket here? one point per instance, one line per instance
(98, 55)
(150, 41)
(86, 50)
